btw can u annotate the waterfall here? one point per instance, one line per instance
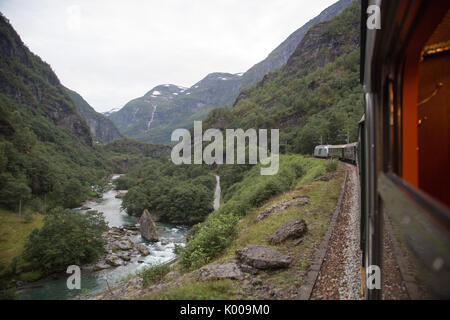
(151, 120)
(216, 203)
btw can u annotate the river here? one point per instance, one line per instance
(55, 287)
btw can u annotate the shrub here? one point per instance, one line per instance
(331, 165)
(213, 237)
(28, 215)
(154, 273)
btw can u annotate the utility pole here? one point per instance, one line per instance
(20, 207)
(347, 136)
(321, 140)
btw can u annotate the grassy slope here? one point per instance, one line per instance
(323, 197)
(14, 233)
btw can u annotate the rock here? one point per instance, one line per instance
(292, 229)
(125, 256)
(164, 242)
(280, 206)
(248, 269)
(300, 196)
(85, 208)
(122, 245)
(272, 210)
(299, 202)
(143, 250)
(130, 227)
(223, 271)
(117, 231)
(326, 177)
(113, 260)
(256, 282)
(135, 283)
(120, 194)
(262, 257)
(172, 275)
(101, 266)
(148, 227)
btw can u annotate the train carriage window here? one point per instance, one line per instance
(426, 113)
(434, 114)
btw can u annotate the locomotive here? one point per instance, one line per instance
(345, 152)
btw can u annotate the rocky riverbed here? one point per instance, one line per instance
(120, 249)
(126, 252)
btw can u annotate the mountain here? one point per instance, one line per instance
(109, 112)
(155, 115)
(46, 149)
(100, 126)
(315, 94)
(281, 54)
(178, 107)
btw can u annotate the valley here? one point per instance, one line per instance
(64, 170)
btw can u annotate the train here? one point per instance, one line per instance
(345, 152)
(403, 149)
(405, 146)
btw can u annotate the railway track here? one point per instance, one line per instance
(339, 275)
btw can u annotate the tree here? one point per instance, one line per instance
(66, 238)
(13, 190)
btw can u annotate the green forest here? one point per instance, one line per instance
(177, 194)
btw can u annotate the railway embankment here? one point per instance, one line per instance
(339, 275)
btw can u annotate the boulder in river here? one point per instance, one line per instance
(143, 249)
(130, 227)
(148, 227)
(122, 245)
(113, 260)
(101, 266)
(125, 256)
(262, 257)
(292, 229)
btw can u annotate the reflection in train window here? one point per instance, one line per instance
(434, 114)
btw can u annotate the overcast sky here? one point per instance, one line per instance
(113, 51)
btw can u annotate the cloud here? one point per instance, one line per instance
(112, 51)
(74, 17)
